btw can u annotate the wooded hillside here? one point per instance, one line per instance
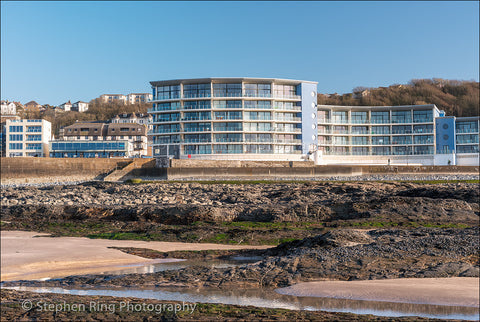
(457, 98)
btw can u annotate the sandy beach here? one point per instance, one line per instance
(32, 255)
(453, 291)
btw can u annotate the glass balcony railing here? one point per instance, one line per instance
(196, 129)
(227, 129)
(288, 119)
(288, 108)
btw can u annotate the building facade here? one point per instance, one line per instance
(135, 98)
(412, 134)
(109, 98)
(67, 106)
(234, 118)
(79, 106)
(27, 138)
(8, 108)
(98, 139)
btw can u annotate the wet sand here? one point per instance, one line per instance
(24, 256)
(452, 291)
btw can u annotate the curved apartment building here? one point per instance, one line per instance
(234, 118)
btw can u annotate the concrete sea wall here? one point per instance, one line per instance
(41, 170)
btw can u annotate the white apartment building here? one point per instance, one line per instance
(27, 138)
(134, 98)
(80, 106)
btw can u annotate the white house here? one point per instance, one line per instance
(8, 108)
(80, 106)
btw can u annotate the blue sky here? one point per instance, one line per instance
(55, 51)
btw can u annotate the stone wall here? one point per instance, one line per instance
(188, 163)
(37, 170)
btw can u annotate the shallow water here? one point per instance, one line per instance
(181, 263)
(271, 299)
(257, 297)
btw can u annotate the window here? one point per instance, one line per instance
(34, 137)
(196, 90)
(423, 116)
(401, 129)
(380, 129)
(262, 137)
(284, 91)
(359, 140)
(423, 139)
(381, 150)
(228, 115)
(227, 104)
(380, 117)
(341, 140)
(360, 151)
(258, 127)
(16, 128)
(16, 137)
(401, 117)
(257, 104)
(227, 148)
(466, 127)
(197, 149)
(197, 127)
(340, 129)
(467, 149)
(467, 138)
(258, 90)
(197, 116)
(359, 130)
(16, 146)
(380, 140)
(197, 138)
(426, 128)
(359, 117)
(168, 92)
(227, 126)
(258, 116)
(407, 139)
(227, 90)
(228, 137)
(34, 146)
(425, 149)
(339, 117)
(196, 105)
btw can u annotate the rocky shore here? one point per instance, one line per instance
(340, 255)
(322, 230)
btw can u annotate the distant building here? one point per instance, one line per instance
(98, 139)
(135, 98)
(3, 132)
(109, 98)
(66, 106)
(80, 106)
(27, 138)
(32, 106)
(8, 108)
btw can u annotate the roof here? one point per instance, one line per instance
(89, 128)
(31, 103)
(228, 79)
(126, 129)
(140, 94)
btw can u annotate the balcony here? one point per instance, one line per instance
(288, 119)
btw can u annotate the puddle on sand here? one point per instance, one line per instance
(271, 299)
(181, 263)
